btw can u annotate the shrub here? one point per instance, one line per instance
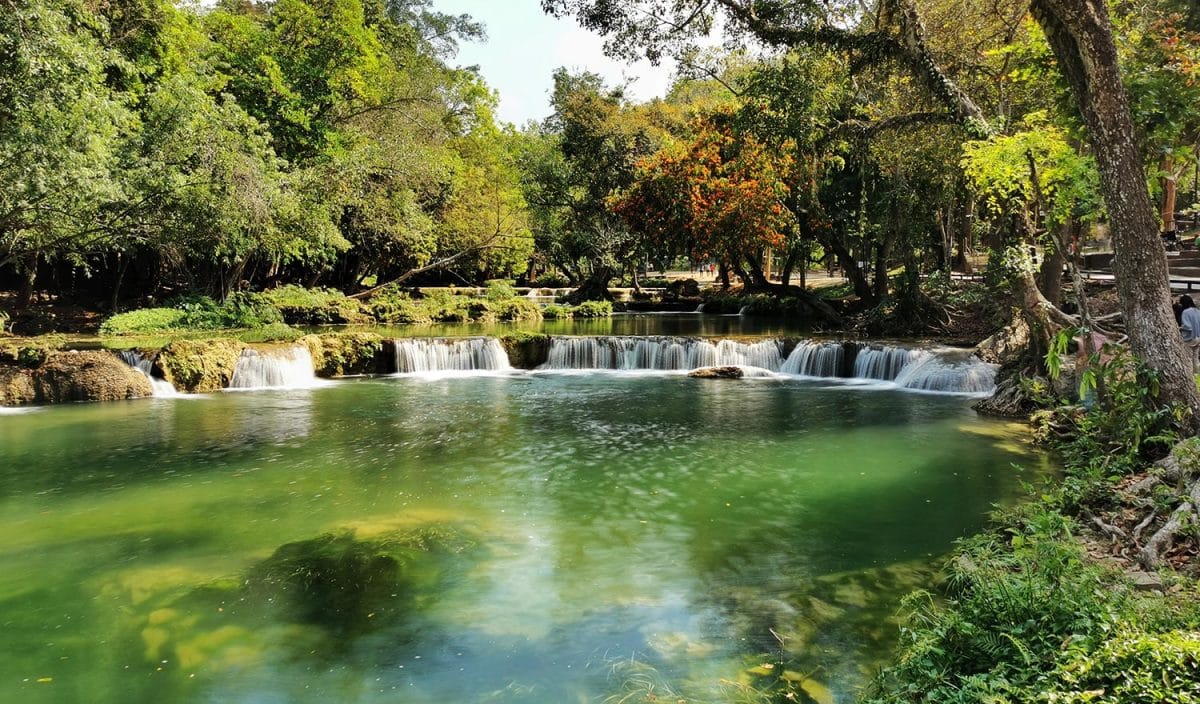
(554, 311)
(517, 309)
(144, 321)
(593, 309)
(313, 306)
(550, 280)
(1134, 667)
(499, 290)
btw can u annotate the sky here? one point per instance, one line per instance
(525, 45)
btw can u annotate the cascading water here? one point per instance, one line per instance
(659, 353)
(477, 354)
(821, 359)
(884, 363)
(286, 369)
(947, 374)
(160, 387)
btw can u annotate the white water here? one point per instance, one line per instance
(884, 363)
(477, 354)
(944, 373)
(286, 369)
(821, 359)
(659, 353)
(159, 387)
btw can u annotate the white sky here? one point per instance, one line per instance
(525, 45)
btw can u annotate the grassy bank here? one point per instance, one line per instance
(276, 312)
(1058, 602)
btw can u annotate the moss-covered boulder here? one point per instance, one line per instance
(341, 354)
(88, 376)
(16, 385)
(29, 352)
(199, 366)
(526, 350)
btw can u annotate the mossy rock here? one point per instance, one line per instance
(717, 373)
(29, 352)
(526, 350)
(340, 354)
(199, 366)
(88, 376)
(16, 386)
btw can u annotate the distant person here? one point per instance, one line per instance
(1189, 327)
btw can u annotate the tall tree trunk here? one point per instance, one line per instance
(1051, 271)
(28, 279)
(1168, 199)
(1080, 34)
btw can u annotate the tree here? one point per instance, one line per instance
(1080, 35)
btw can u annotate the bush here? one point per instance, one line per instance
(1016, 598)
(144, 321)
(1133, 668)
(515, 309)
(499, 290)
(554, 311)
(550, 280)
(313, 306)
(593, 309)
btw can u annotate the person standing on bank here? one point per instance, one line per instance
(1189, 326)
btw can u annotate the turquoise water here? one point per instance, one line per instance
(511, 538)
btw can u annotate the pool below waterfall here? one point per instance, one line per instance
(494, 536)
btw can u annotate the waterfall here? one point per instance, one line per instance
(159, 387)
(944, 373)
(884, 363)
(822, 359)
(292, 368)
(659, 353)
(476, 354)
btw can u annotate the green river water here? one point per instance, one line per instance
(506, 538)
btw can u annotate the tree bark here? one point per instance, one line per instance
(1080, 35)
(1168, 201)
(1051, 272)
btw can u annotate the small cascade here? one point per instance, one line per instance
(659, 353)
(476, 354)
(884, 363)
(160, 387)
(944, 373)
(288, 369)
(823, 359)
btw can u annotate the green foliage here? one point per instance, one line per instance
(1018, 601)
(143, 321)
(1133, 668)
(555, 311)
(272, 332)
(499, 289)
(313, 306)
(193, 313)
(593, 309)
(1121, 425)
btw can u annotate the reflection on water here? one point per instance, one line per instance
(538, 538)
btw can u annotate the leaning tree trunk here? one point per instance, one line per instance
(1080, 34)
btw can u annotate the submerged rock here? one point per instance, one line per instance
(717, 373)
(87, 376)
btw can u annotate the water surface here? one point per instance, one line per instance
(554, 537)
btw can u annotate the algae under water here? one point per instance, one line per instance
(512, 538)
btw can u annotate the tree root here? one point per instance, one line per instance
(1183, 516)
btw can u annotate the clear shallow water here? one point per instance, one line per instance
(548, 538)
